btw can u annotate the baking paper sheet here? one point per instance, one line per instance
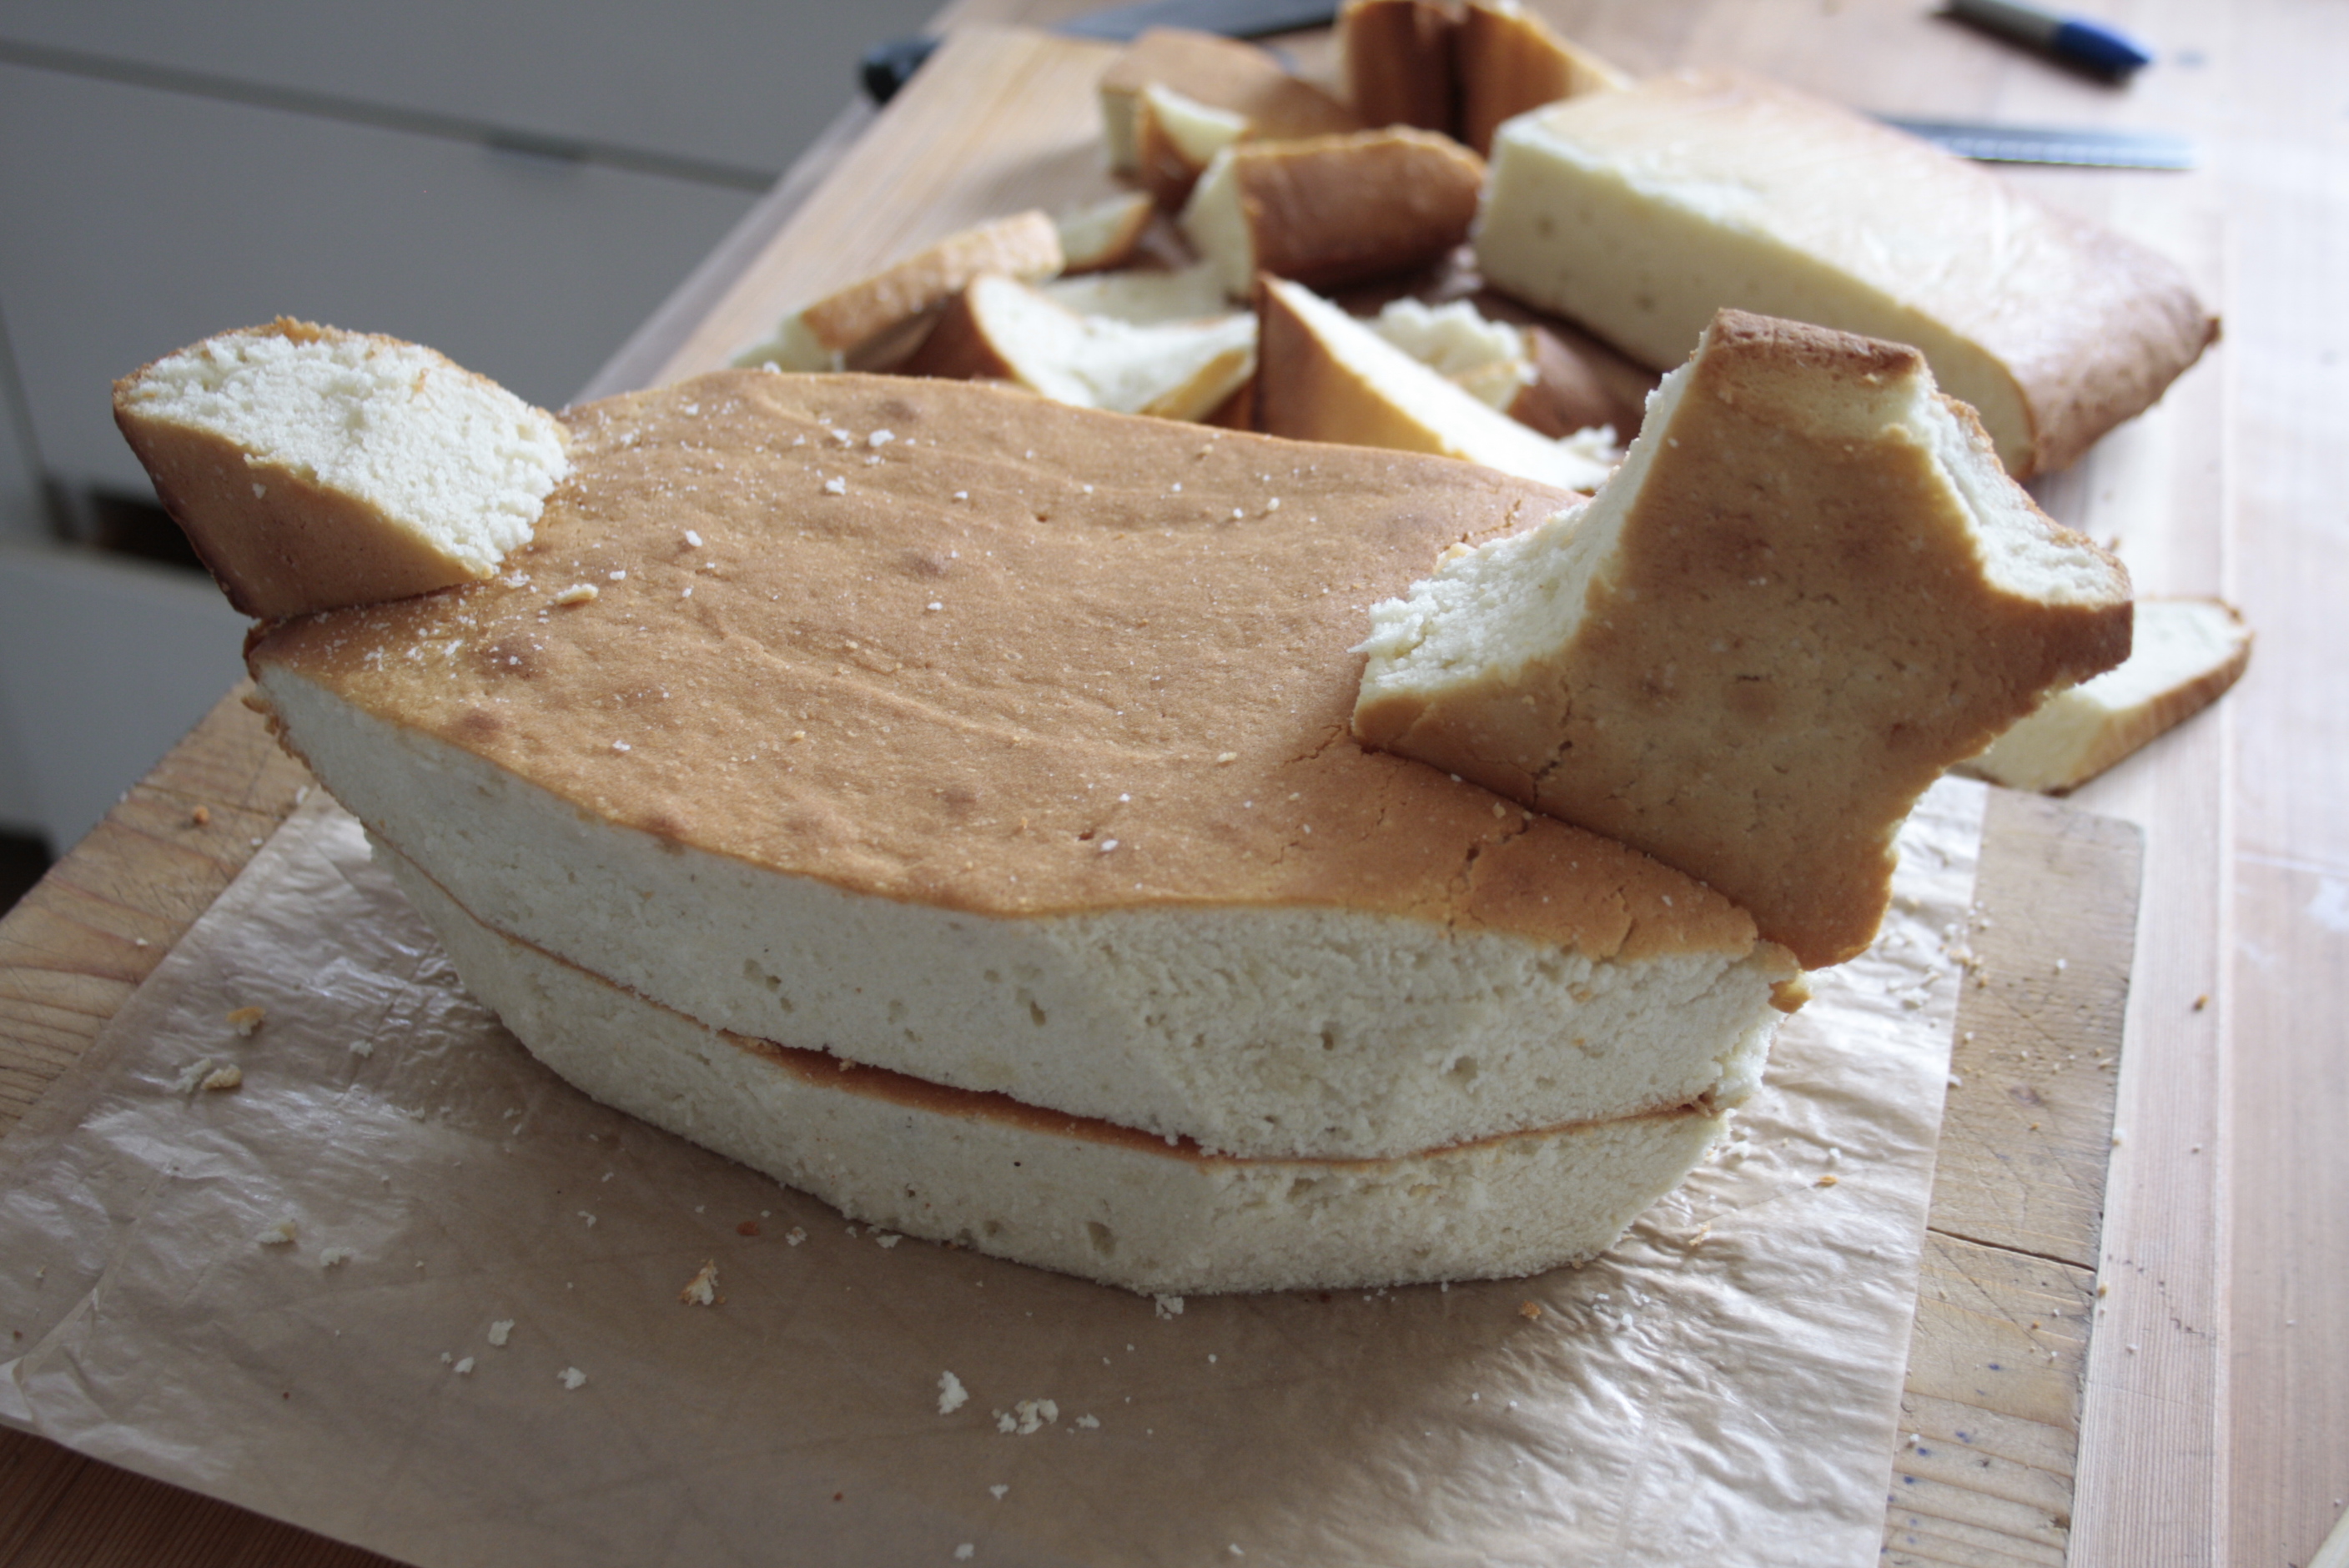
(1722, 1386)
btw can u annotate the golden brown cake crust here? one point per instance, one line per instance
(1338, 209)
(950, 645)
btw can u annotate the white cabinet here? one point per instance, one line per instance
(170, 171)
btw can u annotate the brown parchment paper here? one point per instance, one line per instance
(1721, 1388)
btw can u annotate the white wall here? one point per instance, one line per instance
(169, 170)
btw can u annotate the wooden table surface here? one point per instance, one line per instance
(2208, 1410)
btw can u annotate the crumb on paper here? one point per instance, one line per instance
(885, 1239)
(952, 1395)
(1090, 1422)
(1167, 1306)
(464, 1368)
(589, 1218)
(1028, 1416)
(795, 1235)
(1529, 1310)
(571, 1377)
(501, 1330)
(230, 1075)
(577, 593)
(244, 1021)
(1828, 1181)
(701, 1290)
(1000, 1490)
(191, 1077)
(835, 487)
(964, 1553)
(335, 1257)
(362, 1047)
(280, 1234)
(201, 817)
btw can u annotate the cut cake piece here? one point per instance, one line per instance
(1003, 330)
(1509, 61)
(1325, 377)
(312, 467)
(1333, 209)
(1218, 73)
(873, 322)
(1395, 59)
(1641, 213)
(1808, 591)
(1103, 234)
(2185, 655)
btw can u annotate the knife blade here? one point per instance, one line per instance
(2083, 146)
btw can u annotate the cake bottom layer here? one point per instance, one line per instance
(1078, 1195)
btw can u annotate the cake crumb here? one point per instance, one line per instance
(1167, 1306)
(335, 1257)
(571, 1377)
(952, 1395)
(1529, 1310)
(794, 1236)
(701, 1290)
(464, 1368)
(964, 1552)
(201, 817)
(280, 1234)
(1828, 1180)
(835, 487)
(226, 1078)
(1090, 1422)
(885, 1239)
(362, 1047)
(577, 593)
(244, 1021)
(1028, 1416)
(501, 1330)
(1000, 1490)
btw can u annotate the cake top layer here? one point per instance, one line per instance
(948, 644)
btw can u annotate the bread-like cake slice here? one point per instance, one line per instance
(1509, 60)
(1219, 73)
(1808, 591)
(1103, 234)
(1333, 209)
(1176, 137)
(1395, 60)
(1326, 376)
(1641, 213)
(869, 323)
(2185, 653)
(1077, 1194)
(312, 467)
(1141, 297)
(1005, 745)
(1004, 330)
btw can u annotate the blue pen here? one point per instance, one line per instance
(2108, 51)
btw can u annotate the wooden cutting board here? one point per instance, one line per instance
(1001, 120)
